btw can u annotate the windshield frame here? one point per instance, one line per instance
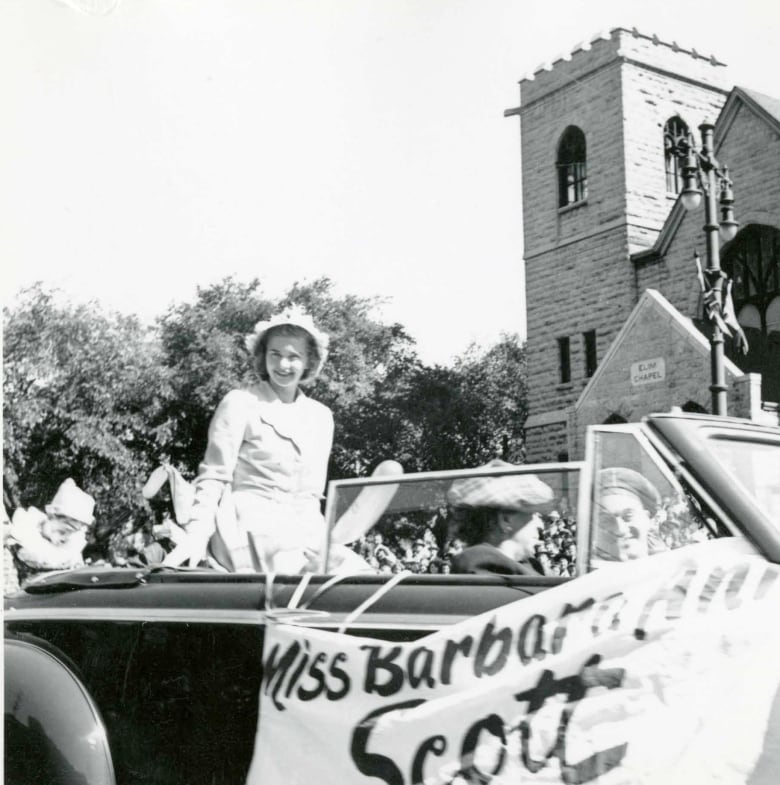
(576, 468)
(669, 465)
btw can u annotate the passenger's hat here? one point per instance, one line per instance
(524, 492)
(295, 317)
(71, 502)
(621, 479)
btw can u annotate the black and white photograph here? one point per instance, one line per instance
(391, 392)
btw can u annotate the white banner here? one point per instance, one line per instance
(662, 670)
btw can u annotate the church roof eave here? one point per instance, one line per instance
(654, 300)
(763, 106)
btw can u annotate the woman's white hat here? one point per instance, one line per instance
(296, 317)
(71, 502)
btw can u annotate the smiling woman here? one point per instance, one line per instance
(287, 353)
(285, 363)
(259, 486)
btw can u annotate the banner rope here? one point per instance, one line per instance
(325, 586)
(295, 608)
(270, 605)
(303, 584)
(378, 594)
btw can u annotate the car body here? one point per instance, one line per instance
(153, 675)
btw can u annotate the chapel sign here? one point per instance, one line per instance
(648, 371)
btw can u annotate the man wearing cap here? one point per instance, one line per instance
(626, 503)
(53, 540)
(498, 518)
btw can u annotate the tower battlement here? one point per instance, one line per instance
(623, 45)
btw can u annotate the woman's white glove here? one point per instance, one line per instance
(193, 547)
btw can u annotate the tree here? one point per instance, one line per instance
(466, 415)
(497, 380)
(81, 391)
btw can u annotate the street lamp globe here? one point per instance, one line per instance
(728, 230)
(691, 198)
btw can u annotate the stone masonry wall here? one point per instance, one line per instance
(593, 105)
(578, 271)
(579, 287)
(625, 44)
(649, 100)
(576, 258)
(751, 149)
(546, 444)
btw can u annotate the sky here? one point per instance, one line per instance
(155, 146)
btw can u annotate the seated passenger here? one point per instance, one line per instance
(54, 539)
(626, 503)
(498, 519)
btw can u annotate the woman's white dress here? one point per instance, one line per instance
(273, 458)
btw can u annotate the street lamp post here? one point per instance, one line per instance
(702, 173)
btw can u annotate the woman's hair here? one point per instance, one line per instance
(473, 525)
(290, 331)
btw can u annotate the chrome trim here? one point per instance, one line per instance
(249, 618)
(188, 615)
(455, 474)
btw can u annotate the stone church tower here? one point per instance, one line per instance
(598, 188)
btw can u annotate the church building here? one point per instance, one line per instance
(616, 320)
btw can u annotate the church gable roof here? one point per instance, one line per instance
(764, 106)
(655, 325)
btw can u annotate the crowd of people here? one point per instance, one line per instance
(418, 554)
(556, 550)
(433, 547)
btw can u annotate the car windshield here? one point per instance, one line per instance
(419, 523)
(637, 506)
(756, 466)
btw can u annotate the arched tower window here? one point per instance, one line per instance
(675, 131)
(572, 167)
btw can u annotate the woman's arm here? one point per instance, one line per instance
(325, 447)
(226, 433)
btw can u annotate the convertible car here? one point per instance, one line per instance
(174, 676)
